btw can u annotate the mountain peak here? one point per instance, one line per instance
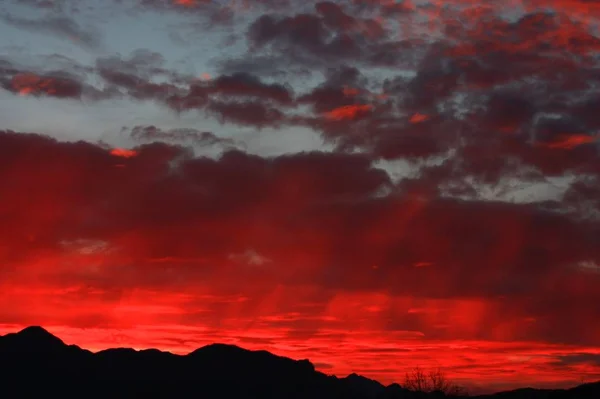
(33, 338)
(35, 331)
(38, 333)
(363, 384)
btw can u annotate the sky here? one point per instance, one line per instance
(374, 185)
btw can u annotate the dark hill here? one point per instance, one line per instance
(35, 363)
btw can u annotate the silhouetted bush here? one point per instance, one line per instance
(434, 381)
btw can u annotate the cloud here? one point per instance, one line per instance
(579, 358)
(477, 96)
(123, 152)
(53, 86)
(244, 84)
(263, 65)
(149, 134)
(60, 26)
(200, 142)
(524, 126)
(58, 78)
(40, 3)
(321, 219)
(136, 75)
(328, 34)
(456, 208)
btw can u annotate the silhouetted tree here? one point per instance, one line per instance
(433, 381)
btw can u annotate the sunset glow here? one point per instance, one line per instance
(373, 185)
(123, 152)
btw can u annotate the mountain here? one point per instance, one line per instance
(35, 363)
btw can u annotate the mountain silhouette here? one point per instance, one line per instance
(35, 363)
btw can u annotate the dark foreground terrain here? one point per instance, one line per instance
(35, 363)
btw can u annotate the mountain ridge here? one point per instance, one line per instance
(216, 370)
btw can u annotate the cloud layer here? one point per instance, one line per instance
(452, 216)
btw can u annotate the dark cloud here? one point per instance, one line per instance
(491, 89)
(328, 35)
(240, 99)
(341, 88)
(44, 85)
(61, 84)
(579, 358)
(244, 84)
(149, 134)
(136, 75)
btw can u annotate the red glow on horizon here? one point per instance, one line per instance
(384, 356)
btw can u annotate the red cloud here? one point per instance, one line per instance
(123, 152)
(350, 91)
(348, 112)
(186, 3)
(568, 142)
(32, 84)
(418, 118)
(154, 245)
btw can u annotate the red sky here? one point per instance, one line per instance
(373, 185)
